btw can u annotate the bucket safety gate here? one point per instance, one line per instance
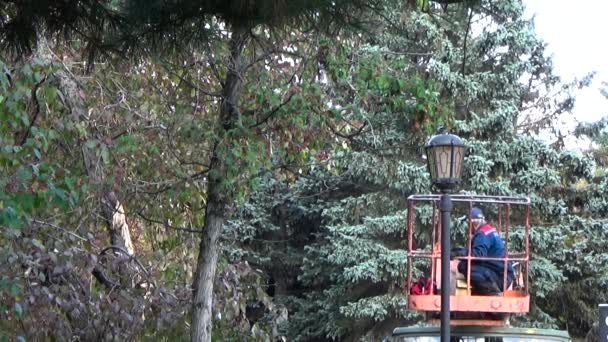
(516, 297)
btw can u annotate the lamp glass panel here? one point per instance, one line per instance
(458, 161)
(443, 161)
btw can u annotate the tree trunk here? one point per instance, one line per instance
(202, 310)
(114, 214)
(215, 217)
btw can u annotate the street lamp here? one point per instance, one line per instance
(445, 156)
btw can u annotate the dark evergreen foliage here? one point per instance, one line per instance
(327, 121)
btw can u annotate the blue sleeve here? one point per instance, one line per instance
(480, 245)
(460, 252)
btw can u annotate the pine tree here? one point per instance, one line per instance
(393, 88)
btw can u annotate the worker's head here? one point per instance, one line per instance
(476, 217)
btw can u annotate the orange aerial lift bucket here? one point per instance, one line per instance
(510, 216)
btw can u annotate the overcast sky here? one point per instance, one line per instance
(576, 33)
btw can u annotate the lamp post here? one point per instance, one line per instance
(445, 156)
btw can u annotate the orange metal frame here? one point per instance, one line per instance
(511, 300)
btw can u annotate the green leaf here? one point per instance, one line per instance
(105, 154)
(38, 244)
(18, 310)
(91, 144)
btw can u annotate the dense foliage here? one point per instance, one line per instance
(347, 282)
(291, 136)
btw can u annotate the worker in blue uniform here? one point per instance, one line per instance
(486, 275)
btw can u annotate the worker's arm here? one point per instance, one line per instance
(481, 245)
(458, 252)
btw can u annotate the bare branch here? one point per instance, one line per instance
(126, 253)
(273, 112)
(188, 230)
(43, 223)
(34, 112)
